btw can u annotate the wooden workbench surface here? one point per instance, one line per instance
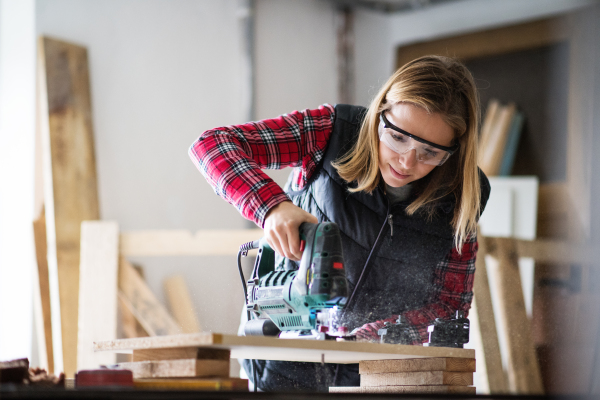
(269, 348)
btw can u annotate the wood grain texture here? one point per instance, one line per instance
(230, 384)
(417, 364)
(137, 296)
(180, 303)
(97, 291)
(267, 348)
(41, 251)
(523, 368)
(191, 368)
(131, 327)
(181, 353)
(490, 157)
(418, 378)
(490, 352)
(491, 42)
(441, 389)
(179, 242)
(70, 181)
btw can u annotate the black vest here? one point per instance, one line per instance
(395, 253)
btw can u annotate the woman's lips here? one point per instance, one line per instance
(398, 174)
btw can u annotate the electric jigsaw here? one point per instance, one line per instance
(299, 303)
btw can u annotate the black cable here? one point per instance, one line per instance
(243, 252)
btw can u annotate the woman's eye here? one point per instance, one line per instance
(431, 153)
(399, 138)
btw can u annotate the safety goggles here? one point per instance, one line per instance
(401, 142)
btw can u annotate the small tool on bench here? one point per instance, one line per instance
(303, 303)
(449, 332)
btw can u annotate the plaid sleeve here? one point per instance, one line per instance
(453, 290)
(231, 158)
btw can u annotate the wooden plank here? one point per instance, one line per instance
(418, 378)
(41, 250)
(180, 353)
(138, 297)
(441, 389)
(491, 156)
(523, 369)
(180, 303)
(547, 251)
(268, 348)
(491, 42)
(491, 117)
(489, 356)
(417, 364)
(129, 324)
(70, 184)
(230, 384)
(180, 242)
(97, 291)
(191, 368)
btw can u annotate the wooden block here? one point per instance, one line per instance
(230, 384)
(70, 184)
(41, 251)
(180, 303)
(97, 291)
(441, 389)
(418, 378)
(14, 371)
(181, 353)
(191, 368)
(138, 297)
(417, 364)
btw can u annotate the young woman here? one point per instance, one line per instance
(399, 178)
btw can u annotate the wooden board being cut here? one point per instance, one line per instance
(418, 378)
(181, 353)
(417, 364)
(441, 389)
(267, 348)
(190, 368)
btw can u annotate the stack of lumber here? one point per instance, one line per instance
(414, 375)
(182, 368)
(499, 139)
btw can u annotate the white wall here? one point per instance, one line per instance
(17, 129)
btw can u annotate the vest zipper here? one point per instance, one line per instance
(365, 267)
(391, 222)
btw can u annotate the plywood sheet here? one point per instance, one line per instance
(418, 378)
(230, 384)
(266, 348)
(433, 389)
(180, 353)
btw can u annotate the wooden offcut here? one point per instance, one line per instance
(418, 378)
(432, 389)
(41, 250)
(229, 384)
(524, 375)
(97, 291)
(190, 368)
(179, 353)
(135, 294)
(417, 364)
(70, 183)
(180, 303)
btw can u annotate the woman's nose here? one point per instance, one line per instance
(409, 159)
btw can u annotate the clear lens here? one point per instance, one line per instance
(401, 143)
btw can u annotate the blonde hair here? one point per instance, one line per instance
(439, 85)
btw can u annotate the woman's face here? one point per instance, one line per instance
(400, 169)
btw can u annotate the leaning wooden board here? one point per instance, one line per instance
(266, 348)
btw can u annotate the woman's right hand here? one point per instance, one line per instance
(282, 225)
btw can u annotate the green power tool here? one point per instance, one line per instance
(303, 302)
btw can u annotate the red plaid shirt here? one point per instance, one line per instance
(231, 158)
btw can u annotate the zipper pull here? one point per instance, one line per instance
(391, 222)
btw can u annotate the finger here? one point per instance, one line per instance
(282, 238)
(273, 241)
(294, 244)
